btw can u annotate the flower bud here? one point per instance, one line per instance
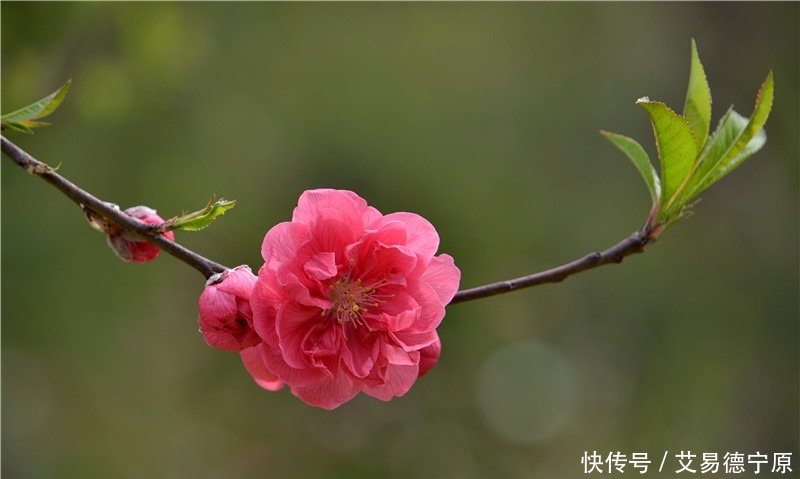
(132, 248)
(226, 319)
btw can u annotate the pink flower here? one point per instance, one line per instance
(349, 300)
(132, 248)
(226, 319)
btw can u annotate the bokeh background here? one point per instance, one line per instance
(483, 118)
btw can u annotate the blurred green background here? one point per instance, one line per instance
(483, 118)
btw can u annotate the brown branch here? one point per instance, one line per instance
(635, 243)
(109, 211)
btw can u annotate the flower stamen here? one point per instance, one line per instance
(352, 300)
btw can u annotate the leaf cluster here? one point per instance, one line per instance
(691, 160)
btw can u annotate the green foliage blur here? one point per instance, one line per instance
(483, 118)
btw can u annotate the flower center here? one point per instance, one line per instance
(352, 300)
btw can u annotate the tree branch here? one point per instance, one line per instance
(109, 211)
(635, 243)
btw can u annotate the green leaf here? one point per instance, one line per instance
(728, 131)
(23, 119)
(697, 109)
(676, 151)
(736, 139)
(755, 144)
(17, 127)
(640, 160)
(202, 218)
(752, 137)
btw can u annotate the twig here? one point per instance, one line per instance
(85, 199)
(635, 243)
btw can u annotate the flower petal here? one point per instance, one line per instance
(321, 266)
(443, 276)
(431, 310)
(217, 304)
(359, 352)
(313, 203)
(388, 263)
(282, 242)
(265, 300)
(414, 341)
(420, 233)
(254, 363)
(301, 294)
(332, 232)
(429, 356)
(329, 392)
(397, 356)
(292, 324)
(238, 282)
(292, 376)
(399, 379)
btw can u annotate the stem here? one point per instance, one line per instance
(635, 243)
(85, 199)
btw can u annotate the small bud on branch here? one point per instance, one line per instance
(109, 211)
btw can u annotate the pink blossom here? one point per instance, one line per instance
(226, 319)
(132, 248)
(349, 300)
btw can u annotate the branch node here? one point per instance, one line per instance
(38, 169)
